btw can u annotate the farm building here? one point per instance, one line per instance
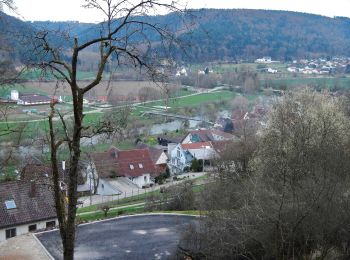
(29, 99)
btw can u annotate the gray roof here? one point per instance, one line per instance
(33, 203)
(34, 98)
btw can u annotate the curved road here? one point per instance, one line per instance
(134, 237)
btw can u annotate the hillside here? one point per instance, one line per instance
(234, 34)
(248, 34)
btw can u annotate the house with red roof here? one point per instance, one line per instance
(136, 165)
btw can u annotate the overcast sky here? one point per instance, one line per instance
(63, 10)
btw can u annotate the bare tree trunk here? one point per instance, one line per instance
(73, 174)
(125, 12)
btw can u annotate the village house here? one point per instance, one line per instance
(135, 165)
(182, 155)
(180, 159)
(25, 206)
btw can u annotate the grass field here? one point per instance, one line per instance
(33, 129)
(320, 82)
(197, 99)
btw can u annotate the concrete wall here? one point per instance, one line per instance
(163, 159)
(107, 189)
(23, 229)
(142, 180)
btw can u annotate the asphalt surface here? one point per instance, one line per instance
(135, 237)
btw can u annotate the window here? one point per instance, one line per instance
(140, 165)
(32, 228)
(145, 178)
(50, 224)
(10, 204)
(131, 167)
(10, 233)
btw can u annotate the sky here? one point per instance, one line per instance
(63, 10)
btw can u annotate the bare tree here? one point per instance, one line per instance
(10, 4)
(124, 22)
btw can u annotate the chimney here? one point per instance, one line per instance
(32, 191)
(63, 165)
(114, 153)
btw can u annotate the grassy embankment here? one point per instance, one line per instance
(127, 206)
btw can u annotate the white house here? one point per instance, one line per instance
(182, 155)
(179, 158)
(25, 206)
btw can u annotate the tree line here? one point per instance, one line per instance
(282, 192)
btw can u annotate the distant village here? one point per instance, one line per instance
(320, 66)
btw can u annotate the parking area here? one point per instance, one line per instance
(153, 236)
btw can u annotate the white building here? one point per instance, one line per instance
(264, 60)
(179, 158)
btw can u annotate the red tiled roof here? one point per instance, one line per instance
(131, 163)
(154, 152)
(200, 145)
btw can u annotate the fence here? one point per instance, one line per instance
(131, 196)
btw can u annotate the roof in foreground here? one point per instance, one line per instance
(24, 202)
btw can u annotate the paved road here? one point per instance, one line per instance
(135, 237)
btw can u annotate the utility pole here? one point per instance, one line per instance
(90, 191)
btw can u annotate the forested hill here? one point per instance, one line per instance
(243, 34)
(249, 34)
